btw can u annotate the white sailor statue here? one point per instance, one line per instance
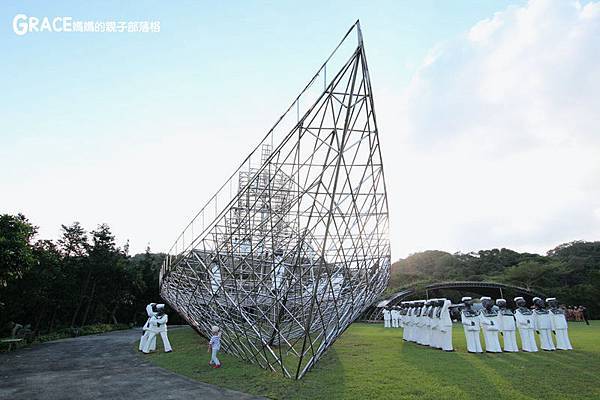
(426, 321)
(470, 320)
(508, 327)
(402, 319)
(158, 325)
(488, 318)
(445, 326)
(525, 323)
(410, 322)
(418, 328)
(150, 311)
(434, 323)
(543, 324)
(422, 338)
(559, 325)
(394, 315)
(387, 317)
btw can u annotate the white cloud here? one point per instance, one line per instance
(498, 135)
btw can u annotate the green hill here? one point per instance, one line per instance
(570, 271)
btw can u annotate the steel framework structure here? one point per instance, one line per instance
(294, 246)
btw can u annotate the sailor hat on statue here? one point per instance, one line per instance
(518, 298)
(498, 301)
(551, 299)
(485, 298)
(536, 298)
(466, 299)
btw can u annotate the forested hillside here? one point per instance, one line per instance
(570, 271)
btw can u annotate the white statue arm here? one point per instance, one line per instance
(149, 310)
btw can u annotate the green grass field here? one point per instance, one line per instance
(370, 362)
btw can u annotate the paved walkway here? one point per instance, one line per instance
(102, 366)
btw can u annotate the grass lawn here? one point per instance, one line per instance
(370, 362)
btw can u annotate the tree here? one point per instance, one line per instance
(530, 274)
(74, 242)
(16, 255)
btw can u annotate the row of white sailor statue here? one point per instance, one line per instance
(550, 320)
(503, 321)
(427, 322)
(391, 317)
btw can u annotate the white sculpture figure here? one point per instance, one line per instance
(409, 324)
(508, 327)
(423, 340)
(402, 318)
(470, 320)
(488, 318)
(394, 315)
(400, 323)
(414, 329)
(387, 316)
(434, 340)
(543, 324)
(445, 326)
(418, 323)
(158, 325)
(524, 318)
(425, 325)
(145, 333)
(405, 320)
(559, 325)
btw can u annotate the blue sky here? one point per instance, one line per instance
(95, 127)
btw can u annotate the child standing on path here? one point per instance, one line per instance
(214, 346)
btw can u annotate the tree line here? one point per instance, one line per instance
(82, 278)
(570, 272)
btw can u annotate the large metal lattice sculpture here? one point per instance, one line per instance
(294, 246)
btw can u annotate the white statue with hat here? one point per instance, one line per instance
(423, 334)
(395, 315)
(387, 317)
(410, 322)
(150, 311)
(490, 325)
(508, 327)
(543, 324)
(470, 321)
(158, 326)
(525, 323)
(434, 324)
(445, 326)
(559, 325)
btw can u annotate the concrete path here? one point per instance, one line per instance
(102, 366)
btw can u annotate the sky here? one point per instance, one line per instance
(488, 113)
